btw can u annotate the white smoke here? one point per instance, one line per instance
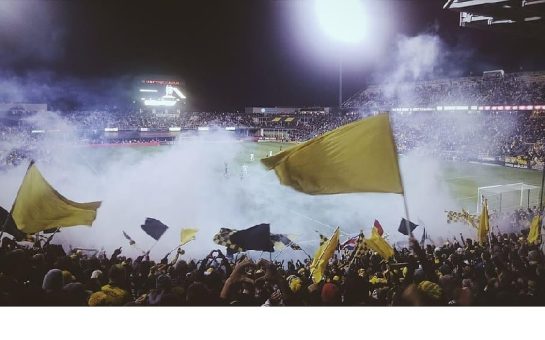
(184, 186)
(416, 58)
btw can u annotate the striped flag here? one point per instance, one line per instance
(350, 244)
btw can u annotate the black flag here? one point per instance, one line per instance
(403, 226)
(9, 226)
(257, 237)
(154, 228)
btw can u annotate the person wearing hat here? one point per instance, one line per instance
(425, 293)
(52, 286)
(112, 294)
(96, 281)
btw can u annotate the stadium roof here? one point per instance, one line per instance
(525, 17)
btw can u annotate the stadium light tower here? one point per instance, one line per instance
(342, 20)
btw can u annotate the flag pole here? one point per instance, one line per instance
(407, 219)
(405, 203)
(50, 238)
(541, 199)
(281, 251)
(321, 223)
(174, 249)
(149, 250)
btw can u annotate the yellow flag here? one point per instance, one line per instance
(318, 252)
(38, 206)
(357, 157)
(380, 245)
(484, 225)
(187, 235)
(535, 228)
(320, 261)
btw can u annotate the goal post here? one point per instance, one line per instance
(507, 197)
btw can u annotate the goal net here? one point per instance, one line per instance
(508, 197)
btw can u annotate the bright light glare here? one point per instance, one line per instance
(156, 102)
(343, 20)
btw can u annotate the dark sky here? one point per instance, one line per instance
(228, 53)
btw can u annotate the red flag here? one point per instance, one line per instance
(377, 225)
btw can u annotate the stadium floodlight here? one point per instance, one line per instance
(343, 20)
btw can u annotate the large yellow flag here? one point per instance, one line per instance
(484, 225)
(38, 206)
(535, 229)
(320, 261)
(380, 245)
(319, 251)
(187, 235)
(357, 157)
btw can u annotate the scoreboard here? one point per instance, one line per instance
(160, 93)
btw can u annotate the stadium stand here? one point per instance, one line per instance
(505, 110)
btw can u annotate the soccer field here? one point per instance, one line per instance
(461, 178)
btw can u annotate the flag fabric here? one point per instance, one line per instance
(281, 240)
(187, 234)
(323, 239)
(378, 227)
(154, 228)
(350, 244)
(380, 245)
(223, 238)
(464, 217)
(9, 226)
(359, 248)
(484, 224)
(131, 241)
(424, 237)
(321, 247)
(535, 230)
(257, 237)
(357, 157)
(403, 226)
(38, 206)
(319, 263)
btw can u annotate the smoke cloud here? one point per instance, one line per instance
(184, 185)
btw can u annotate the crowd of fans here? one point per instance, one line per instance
(454, 134)
(459, 272)
(508, 89)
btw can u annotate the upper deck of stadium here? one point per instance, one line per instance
(492, 88)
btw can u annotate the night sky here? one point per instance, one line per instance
(230, 54)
